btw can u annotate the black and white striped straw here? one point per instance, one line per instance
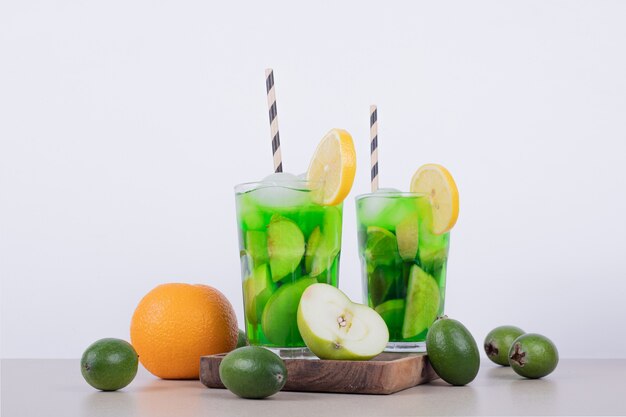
(374, 146)
(273, 112)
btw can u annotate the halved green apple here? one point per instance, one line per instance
(333, 327)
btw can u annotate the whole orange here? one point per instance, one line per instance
(175, 324)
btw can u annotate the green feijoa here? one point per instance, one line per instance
(498, 343)
(109, 364)
(242, 340)
(253, 372)
(452, 351)
(533, 356)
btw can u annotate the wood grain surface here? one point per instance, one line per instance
(385, 374)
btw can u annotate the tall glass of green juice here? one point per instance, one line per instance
(286, 242)
(403, 264)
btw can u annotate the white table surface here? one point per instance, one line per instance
(55, 387)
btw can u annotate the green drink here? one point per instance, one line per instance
(403, 264)
(287, 242)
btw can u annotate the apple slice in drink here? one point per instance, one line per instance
(433, 260)
(333, 327)
(320, 253)
(392, 311)
(324, 244)
(422, 303)
(285, 246)
(312, 246)
(279, 316)
(331, 224)
(256, 246)
(257, 290)
(433, 249)
(407, 234)
(382, 283)
(381, 247)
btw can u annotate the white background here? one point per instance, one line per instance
(124, 126)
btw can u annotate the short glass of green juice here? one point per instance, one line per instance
(403, 264)
(286, 243)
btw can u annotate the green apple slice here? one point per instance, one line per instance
(257, 289)
(312, 245)
(324, 244)
(433, 249)
(285, 246)
(422, 303)
(334, 327)
(392, 312)
(407, 234)
(432, 260)
(331, 226)
(323, 258)
(380, 282)
(381, 247)
(330, 241)
(427, 236)
(279, 316)
(256, 246)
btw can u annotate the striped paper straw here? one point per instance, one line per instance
(374, 146)
(271, 104)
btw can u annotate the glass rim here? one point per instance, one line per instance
(391, 194)
(296, 185)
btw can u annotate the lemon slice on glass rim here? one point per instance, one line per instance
(437, 182)
(332, 168)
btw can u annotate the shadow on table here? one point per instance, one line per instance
(106, 404)
(502, 372)
(283, 396)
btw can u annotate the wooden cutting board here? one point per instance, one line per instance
(385, 374)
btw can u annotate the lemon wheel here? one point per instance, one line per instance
(437, 182)
(332, 168)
